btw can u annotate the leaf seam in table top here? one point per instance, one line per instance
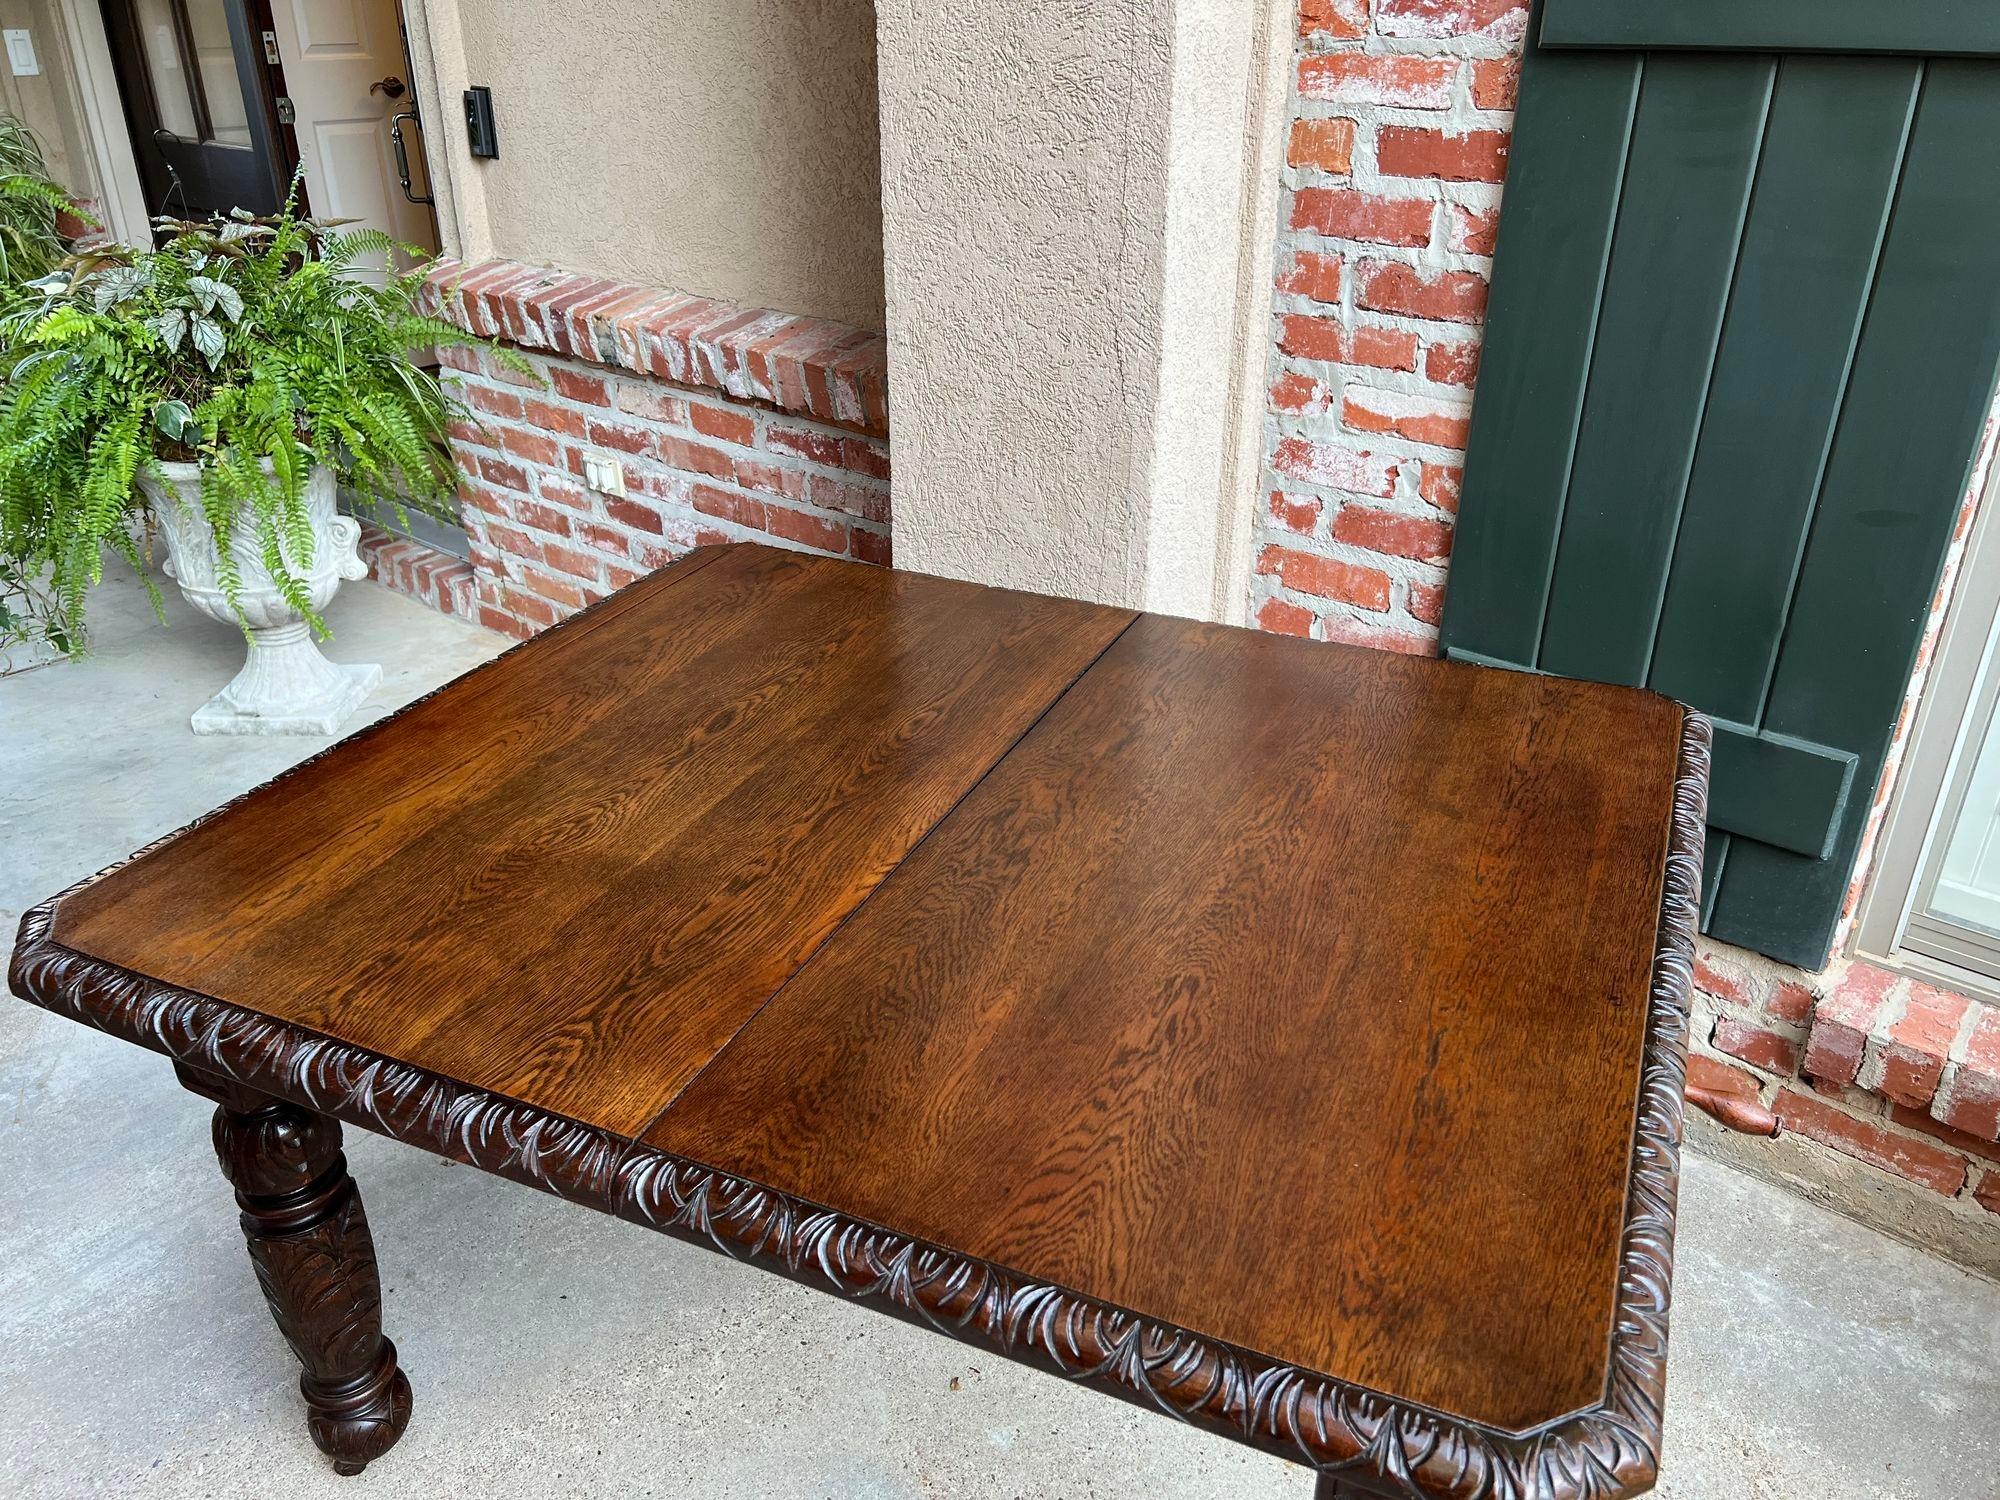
(690, 566)
(1663, 846)
(848, 915)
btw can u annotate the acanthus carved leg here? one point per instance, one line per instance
(315, 1261)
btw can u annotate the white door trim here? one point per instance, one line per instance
(120, 195)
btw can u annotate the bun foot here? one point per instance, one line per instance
(360, 1421)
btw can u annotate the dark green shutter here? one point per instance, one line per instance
(1742, 340)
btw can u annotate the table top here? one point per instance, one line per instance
(1311, 1008)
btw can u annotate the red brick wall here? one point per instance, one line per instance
(1868, 1063)
(729, 423)
(422, 572)
(1398, 145)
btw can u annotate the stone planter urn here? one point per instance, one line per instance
(286, 686)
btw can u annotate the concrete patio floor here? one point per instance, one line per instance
(556, 1353)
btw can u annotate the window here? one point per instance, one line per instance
(193, 70)
(1933, 903)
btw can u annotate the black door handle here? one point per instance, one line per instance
(403, 156)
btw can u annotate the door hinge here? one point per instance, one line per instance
(288, 112)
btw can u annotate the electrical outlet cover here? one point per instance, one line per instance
(603, 474)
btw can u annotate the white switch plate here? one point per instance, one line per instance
(21, 52)
(603, 474)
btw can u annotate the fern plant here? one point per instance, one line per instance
(255, 348)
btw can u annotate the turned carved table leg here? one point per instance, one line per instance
(315, 1260)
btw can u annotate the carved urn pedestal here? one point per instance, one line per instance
(286, 686)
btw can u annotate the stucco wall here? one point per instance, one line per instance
(723, 147)
(47, 102)
(1071, 195)
(1025, 166)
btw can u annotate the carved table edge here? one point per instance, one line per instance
(1375, 1444)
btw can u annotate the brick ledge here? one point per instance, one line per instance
(807, 366)
(1930, 1051)
(419, 571)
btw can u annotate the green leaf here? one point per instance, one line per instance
(116, 285)
(171, 326)
(177, 421)
(210, 340)
(213, 294)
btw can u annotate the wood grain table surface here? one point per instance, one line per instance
(1305, 1020)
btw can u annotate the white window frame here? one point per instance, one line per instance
(1957, 704)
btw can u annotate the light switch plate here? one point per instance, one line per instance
(21, 59)
(603, 474)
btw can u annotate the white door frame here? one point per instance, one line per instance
(121, 199)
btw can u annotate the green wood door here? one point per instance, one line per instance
(1743, 336)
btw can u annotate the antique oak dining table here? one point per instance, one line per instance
(1285, 1036)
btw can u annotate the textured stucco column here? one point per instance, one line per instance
(435, 34)
(1078, 210)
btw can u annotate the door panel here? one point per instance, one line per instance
(1933, 28)
(1831, 155)
(1700, 126)
(346, 75)
(1917, 397)
(329, 28)
(173, 83)
(1570, 147)
(215, 65)
(352, 161)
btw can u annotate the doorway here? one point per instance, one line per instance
(348, 81)
(201, 105)
(226, 100)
